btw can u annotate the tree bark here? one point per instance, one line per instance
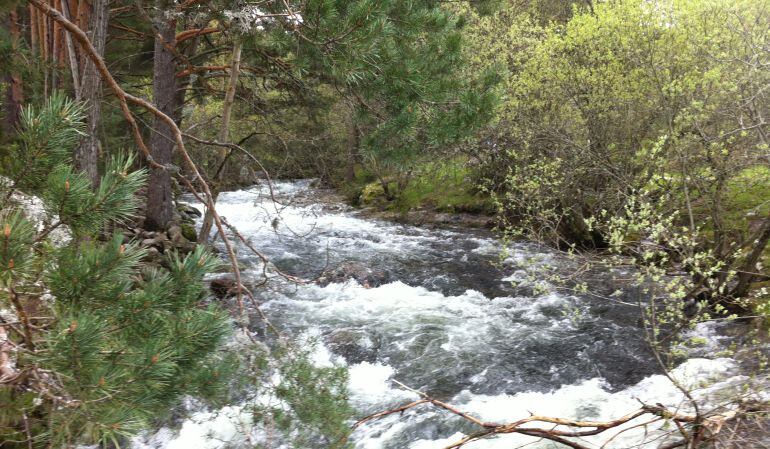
(87, 153)
(224, 132)
(747, 272)
(353, 145)
(14, 94)
(72, 56)
(160, 206)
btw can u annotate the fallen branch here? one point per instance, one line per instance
(557, 432)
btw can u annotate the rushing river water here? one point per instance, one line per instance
(450, 321)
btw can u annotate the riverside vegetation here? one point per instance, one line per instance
(629, 135)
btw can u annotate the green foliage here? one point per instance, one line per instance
(746, 197)
(291, 395)
(317, 396)
(128, 344)
(626, 99)
(115, 345)
(69, 195)
(444, 186)
(47, 138)
(16, 253)
(372, 194)
(377, 84)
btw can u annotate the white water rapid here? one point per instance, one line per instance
(448, 320)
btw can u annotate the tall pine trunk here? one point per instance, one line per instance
(87, 153)
(14, 94)
(160, 205)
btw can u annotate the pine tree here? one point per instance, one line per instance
(93, 346)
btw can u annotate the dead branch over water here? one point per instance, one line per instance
(569, 432)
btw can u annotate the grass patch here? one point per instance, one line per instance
(748, 197)
(446, 186)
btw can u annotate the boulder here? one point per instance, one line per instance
(223, 287)
(178, 240)
(355, 345)
(373, 194)
(355, 271)
(186, 209)
(152, 242)
(153, 255)
(188, 232)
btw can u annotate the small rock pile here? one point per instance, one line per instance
(180, 236)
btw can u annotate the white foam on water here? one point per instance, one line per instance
(233, 426)
(704, 339)
(489, 247)
(255, 216)
(320, 355)
(227, 427)
(230, 426)
(406, 314)
(587, 400)
(370, 387)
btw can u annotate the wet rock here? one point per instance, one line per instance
(188, 210)
(185, 214)
(373, 194)
(186, 219)
(178, 240)
(176, 217)
(151, 242)
(153, 255)
(188, 231)
(355, 271)
(223, 287)
(354, 345)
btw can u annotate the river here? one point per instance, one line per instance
(457, 317)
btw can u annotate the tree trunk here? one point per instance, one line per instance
(72, 56)
(14, 95)
(183, 83)
(87, 153)
(747, 272)
(224, 132)
(160, 205)
(354, 144)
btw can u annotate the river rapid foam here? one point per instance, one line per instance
(452, 322)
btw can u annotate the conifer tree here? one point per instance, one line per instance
(93, 346)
